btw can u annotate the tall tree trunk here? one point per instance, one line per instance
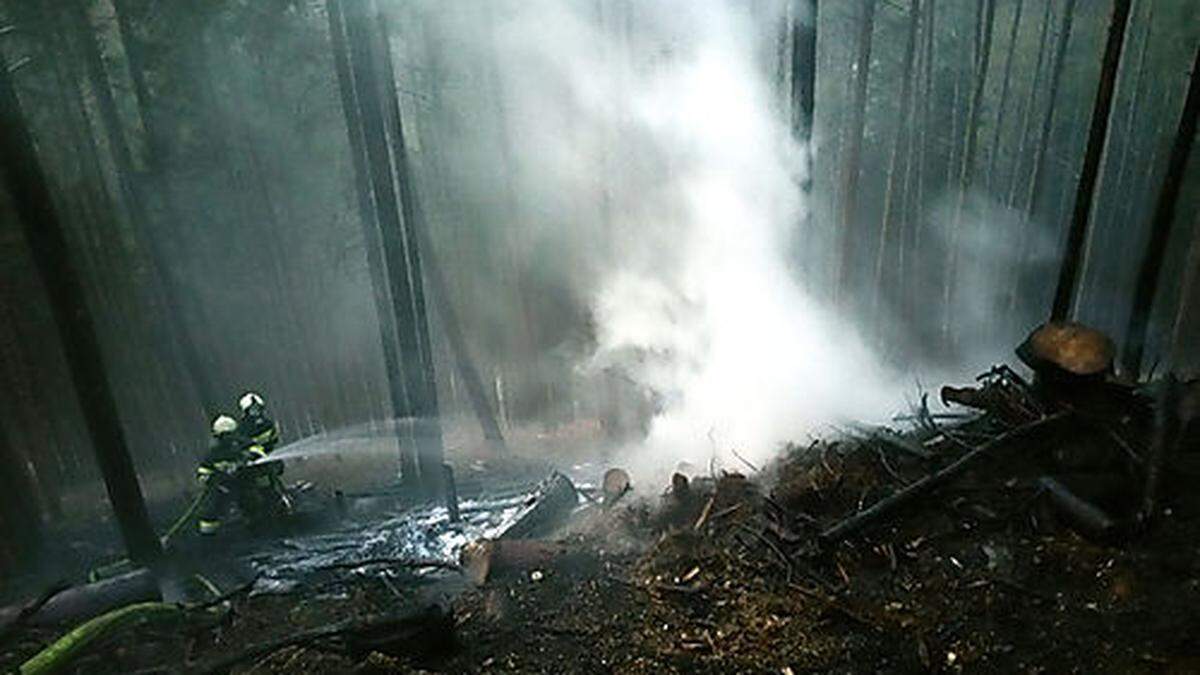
(804, 80)
(424, 259)
(399, 245)
(901, 138)
(131, 192)
(1028, 108)
(371, 205)
(1035, 198)
(1164, 216)
(917, 287)
(1188, 311)
(45, 234)
(1127, 137)
(1064, 294)
(416, 245)
(994, 148)
(983, 51)
(851, 158)
(20, 521)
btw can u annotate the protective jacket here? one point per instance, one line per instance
(225, 455)
(260, 431)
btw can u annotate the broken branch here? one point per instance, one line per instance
(887, 506)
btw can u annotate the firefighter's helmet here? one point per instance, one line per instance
(224, 424)
(251, 401)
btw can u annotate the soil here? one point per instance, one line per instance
(726, 573)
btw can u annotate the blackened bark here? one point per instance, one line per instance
(1160, 229)
(44, 232)
(1064, 294)
(372, 222)
(1120, 207)
(804, 73)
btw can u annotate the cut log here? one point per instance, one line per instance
(616, 484)
(491, 558)
(1064, 350)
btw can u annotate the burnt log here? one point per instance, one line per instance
(547, 510)
(1082, 515)
(89, 600)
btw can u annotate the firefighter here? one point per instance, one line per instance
(259, 429)
(218, 473)
(265, 493)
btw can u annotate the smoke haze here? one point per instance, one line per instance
(663, 143)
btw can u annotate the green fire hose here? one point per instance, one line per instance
(59, 654)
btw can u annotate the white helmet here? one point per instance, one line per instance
(224, 424)
(250, 400)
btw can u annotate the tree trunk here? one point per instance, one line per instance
(1034, 200)
(1030, 103)
(917, 289)
(1004, 90)
(1118, 205)
(901, 138)
(20, 520)
(45, 234)
(1160, 232)
(1188, 310)
(983, 56)
(804, 81)
(371, 205)
(1064, 294)
(135, 203)
(399, 248)
(416, 244)
(420, 246)
(853, 152)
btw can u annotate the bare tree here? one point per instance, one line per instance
(1120, 213)
(1150, 270)
(851, 157)
(983, 52)
(27, 185)
(1027, 112)
(1064, 294)
(1002, 110)
(1036, 195)
(378, 210)
(901, 138)
(135, 203)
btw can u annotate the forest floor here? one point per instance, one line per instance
(728, 574)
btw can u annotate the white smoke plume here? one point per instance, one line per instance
(655, 155)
